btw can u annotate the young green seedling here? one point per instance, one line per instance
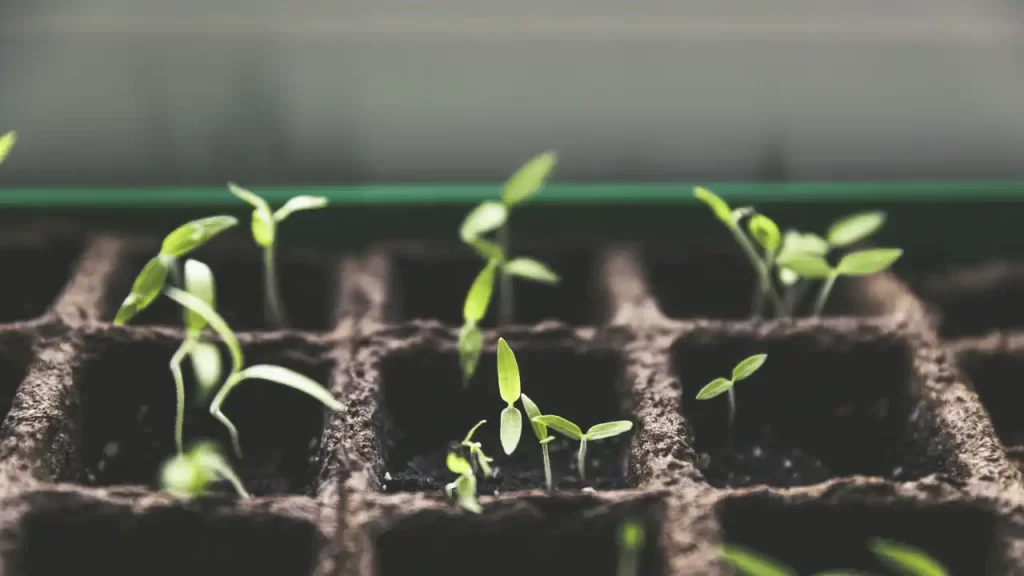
(631, 542)
(905, 559)
(476, 453)
(471, 340)
(490, 216)
(189, 474)
(573, 432)
(181, 241)
(509, 388)
(7, 142)
(861, 263)
(741, 371)
(264, 232)
(465, 485)
(541, 431)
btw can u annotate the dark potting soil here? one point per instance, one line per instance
(996, 374)
(972, 300)
(43, 271)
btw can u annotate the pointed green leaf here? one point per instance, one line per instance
(750, 563)
(795, 242)
(145, 289)
(531, 270)
(213, 319)
(466, 487)
(561, 425)
(766, 232)
(485, 218)
(7, 142)
(479, 296)
(297, 203)
(854, 228)
(458, 465)
(868, 261)
(717, 205)
(806, 265)
(192, 235)
(716, 387)
(608, 429)
(529, 179)
(249, 198)
(199, 283)
(471, 344)
(508, 373)
(291, 379)
(511, 429)
(747, 367)
(207, 367)
(532, 411)
(487, 250)
(469, 436)
(264, 229)
(906, 559)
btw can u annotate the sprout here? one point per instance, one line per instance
(7, 142)
(179, 242)
(532, 411)
(905, 559)
(572, 431)
(476, 450)
(854, 228)
(749, 563)
(465, 485)
(859, 263)
(509, 388)
(264, 232)
(744, 369)
(631, 541)
(188, 475)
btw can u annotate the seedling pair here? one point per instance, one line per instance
(718, 386)
(465, 485)
(901, 558)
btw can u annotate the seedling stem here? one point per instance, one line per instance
(541, 431)
(718, 386)
(574, 432)
(506, 300)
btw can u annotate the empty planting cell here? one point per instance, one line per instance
(433, 285)
(126, 413)
(68, 534)
(998, 377)
(36, 276)
(538, 537)
(824, 404)
(972, 300)
(424, 410)
(812, 537)
(308, 285)
(15, 354)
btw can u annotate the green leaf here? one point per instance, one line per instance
(717, 205)
(868, 261)
(479, 296)
(794, 242)
(529, 179)
(532, 411)
(264, 229)
(7, 142)
(206, 365)
(192, 235)
(213, 319)
(488, 250)
(252, 199)
(806, 265)
(199, 283)
(297, 203)
(471, 343)
(531, 270)
(854, 228)
(291, 379)
(750, 563)
(747, 367)
(907, 559)
(466, 487)
(486, 217)
(716, 387)
(608, 429)
(787, 277)
(183, 477)
(459, 465)
(145, 289)
(766, 232)
(469, 436)
(561, 425)
(511, 429)
(508, 373)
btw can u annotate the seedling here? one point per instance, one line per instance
(509, 388)
(741, 371)
(190, 474)
(631, 542)
(476, 453)
(573, 432)
(861, 263)
(490, 216)
(181, 241)
(903, 559)
(532, 411)
(465, 485)
(7, 142)
(264, 232)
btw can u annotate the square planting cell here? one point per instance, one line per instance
(972, 300)
(826, 403)
(813, 537)
(424, 410)
(998, 377)
(433, 285)
(537, 537)
(126, 415)
(42, 271)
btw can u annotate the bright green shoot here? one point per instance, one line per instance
(471, 340)
(476, 452)
(860, 263)
(906, 560)
(574, 432)
(264, 232)
(465, 485)
(7, 142)
(902, 559)
(541, 431)
(718, 386)
(153, 277)
(509, 388)
(631, 536)
(189, 474)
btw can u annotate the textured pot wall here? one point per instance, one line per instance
(310, 91)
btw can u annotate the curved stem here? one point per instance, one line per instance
(179, 385)
(218, 400)
(819, 305)
(582, 459)
(231, 477)
(273, 306)
(505, 296)
(763, 276)
(547, 467)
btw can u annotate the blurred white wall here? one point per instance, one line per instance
(317, 91)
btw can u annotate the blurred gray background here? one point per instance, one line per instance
(133, 92)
